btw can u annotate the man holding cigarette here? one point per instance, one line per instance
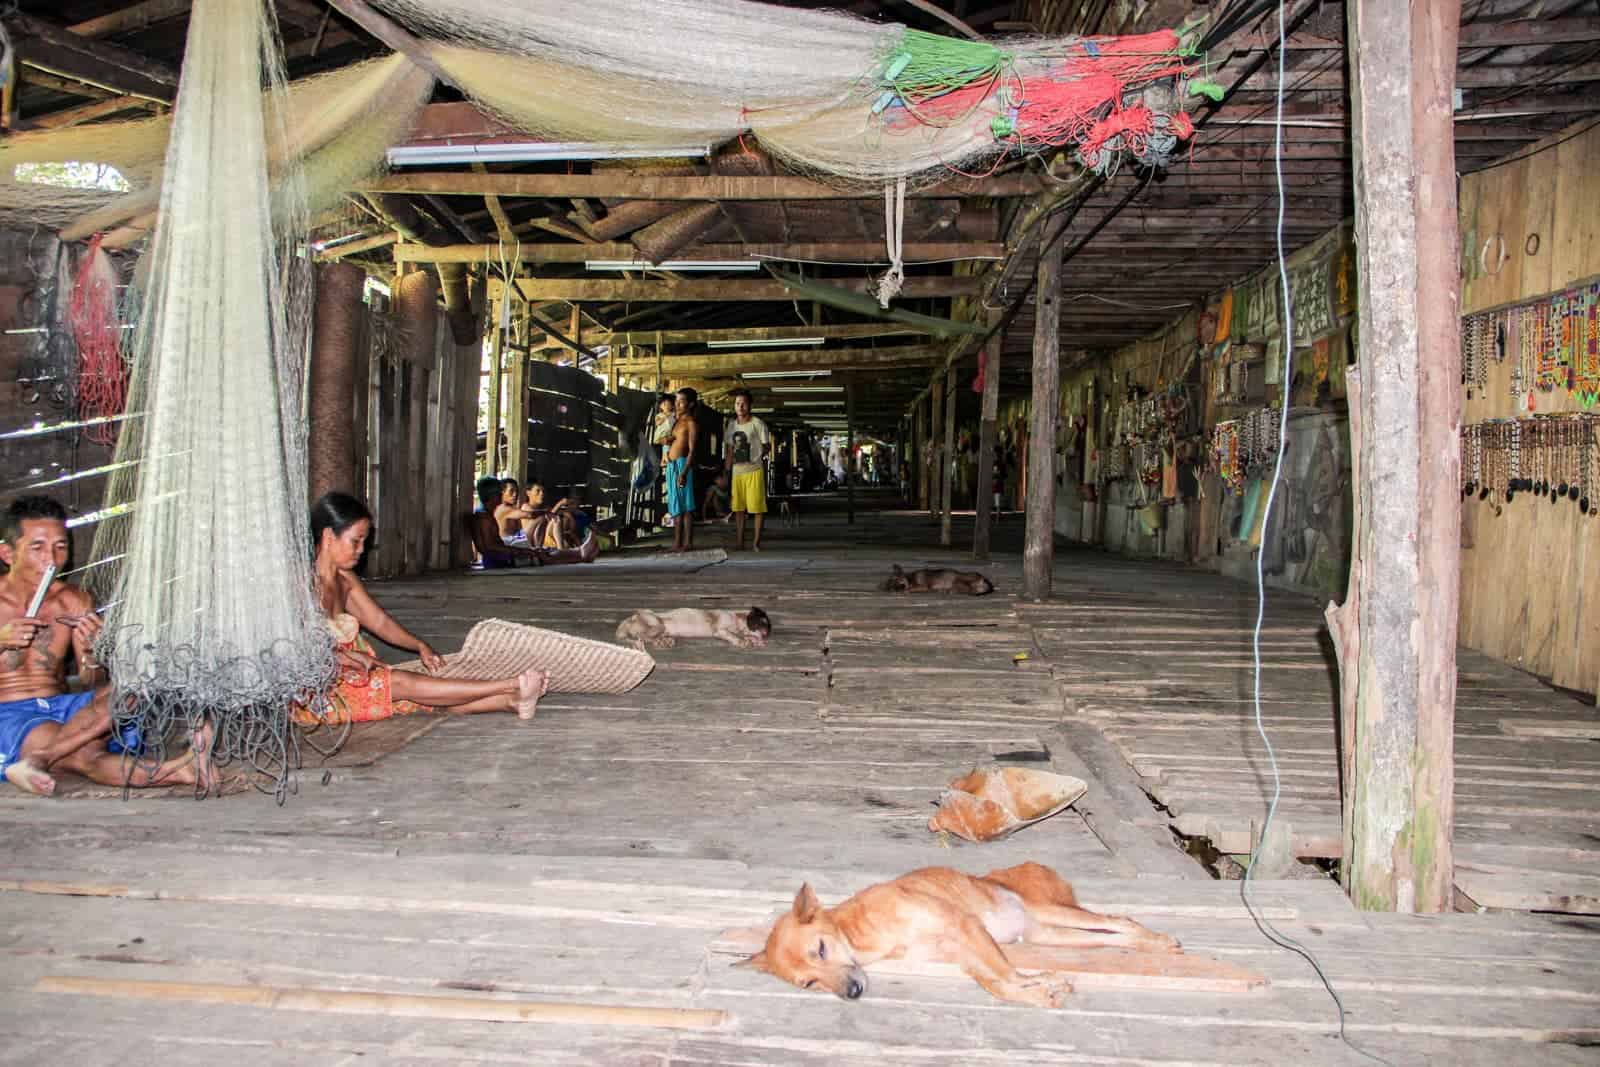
(42, 621)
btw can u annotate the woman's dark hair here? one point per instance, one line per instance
(338, 512)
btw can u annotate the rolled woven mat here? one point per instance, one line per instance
(496, 648)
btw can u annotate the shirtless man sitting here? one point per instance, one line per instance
(42, 726)
(493, 551)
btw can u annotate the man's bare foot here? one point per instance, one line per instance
(205, 773)
(590, 548)
(30, 779)
(755, 548)
(531, 685)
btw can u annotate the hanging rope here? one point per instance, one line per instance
(894, 224)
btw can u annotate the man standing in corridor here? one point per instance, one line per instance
(748, 448)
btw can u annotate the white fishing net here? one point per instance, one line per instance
(209, 581)
(344, 121)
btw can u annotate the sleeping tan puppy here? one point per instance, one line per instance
(661, 629)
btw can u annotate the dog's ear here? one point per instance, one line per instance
(897, 571)
(806, 904)
(758, 962)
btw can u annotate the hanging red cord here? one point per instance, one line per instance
(92, 315)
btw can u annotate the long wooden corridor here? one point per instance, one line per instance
(598, 854)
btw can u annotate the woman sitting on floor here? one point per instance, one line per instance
(366, 689)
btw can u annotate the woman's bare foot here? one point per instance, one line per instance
(531, 685)
(30, 779)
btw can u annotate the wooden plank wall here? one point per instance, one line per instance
(39, 462)
(1530, 577)
(573, 438)
(419, 406)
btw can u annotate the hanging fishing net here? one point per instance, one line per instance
(85, 178)
(833, 95)
(211, 616)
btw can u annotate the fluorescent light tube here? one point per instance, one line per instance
(805, 388)
(757, 343)
(673, 264)
(813, 403)
(532, 151)
(787, 374)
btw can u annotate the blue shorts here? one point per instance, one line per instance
(19, 717)
(680, 501)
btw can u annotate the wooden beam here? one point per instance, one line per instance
(72, 116)
(394, 36)
(763, 333)
(1039, 552)
(622, 186)
(851, 252)
(1482, 76)
(132, 18)
(502, 224)
(732, 364)
(1402, 60)
(719, 289)
(52, 47)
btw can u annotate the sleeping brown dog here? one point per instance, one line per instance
(938, 580)
(942, 914)
(661, 629)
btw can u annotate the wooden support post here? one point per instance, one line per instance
(660, 357)
(936, 440)
(1039, 551)
(491, 444)
(337, 333)
(947, 457)
(849, 449)
(1402, 61)
(919, 455)
(984, 503)
(517, 417)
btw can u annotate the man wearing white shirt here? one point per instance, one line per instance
(748, 448)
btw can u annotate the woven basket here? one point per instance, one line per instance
(496, 648)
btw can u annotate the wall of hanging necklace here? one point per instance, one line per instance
(1553, 343)
(1543, 457)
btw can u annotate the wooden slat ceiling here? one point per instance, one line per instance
(1142, 247)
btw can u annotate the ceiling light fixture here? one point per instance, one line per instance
(787, 374)
(755, 342)
(813, 403)
(805, 388)
(532, 152)
(672, 264)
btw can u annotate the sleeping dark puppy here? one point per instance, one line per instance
(938, 580)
